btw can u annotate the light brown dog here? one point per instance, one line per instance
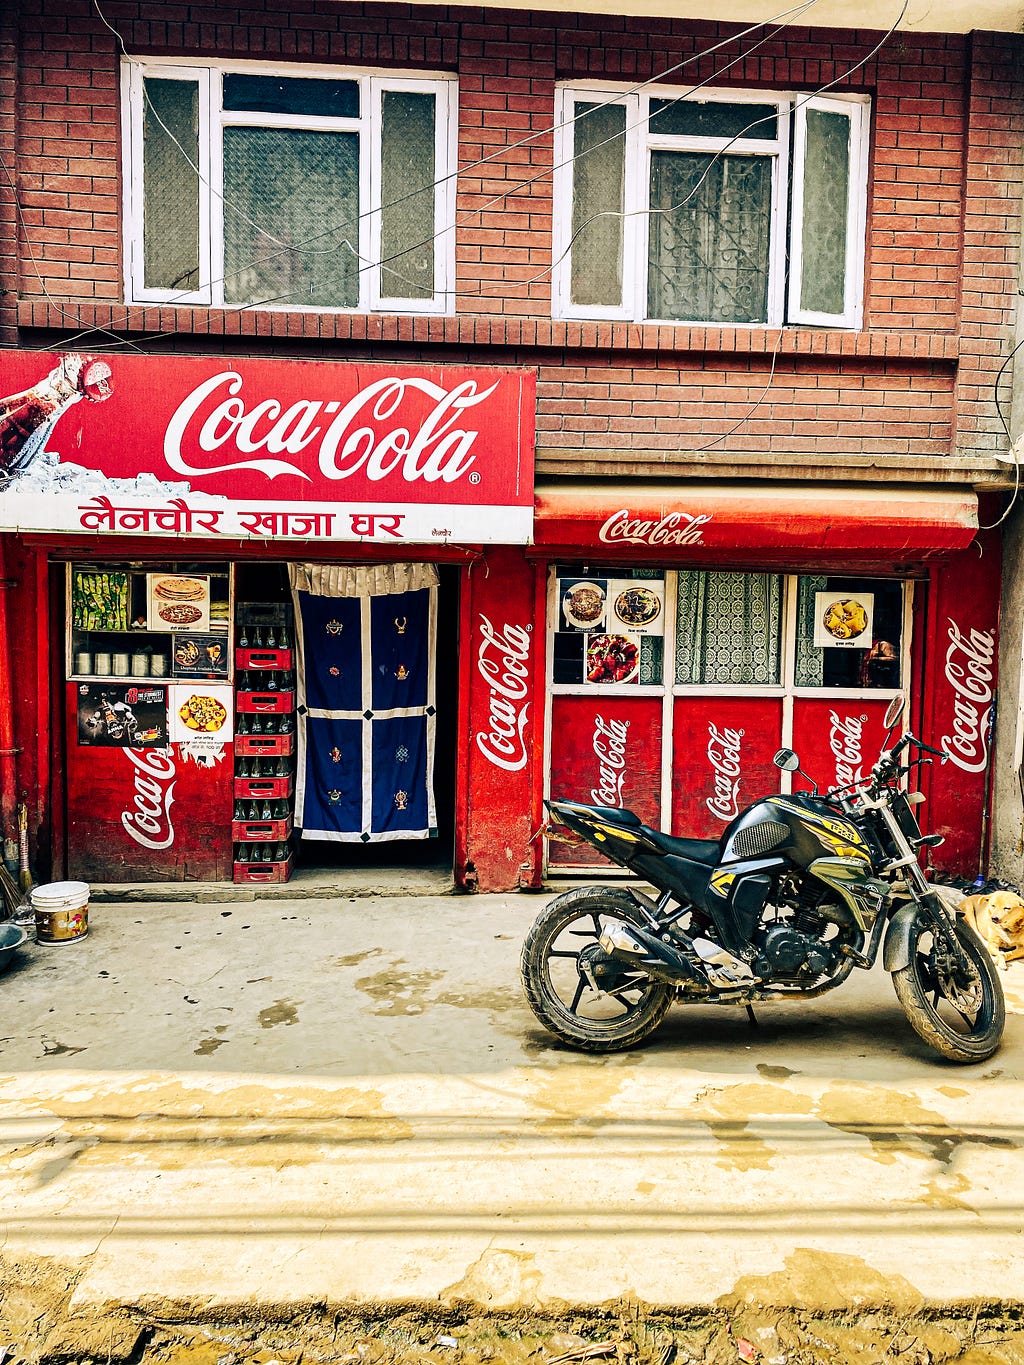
(998, 920)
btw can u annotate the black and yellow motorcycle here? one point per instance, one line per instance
(799, 891)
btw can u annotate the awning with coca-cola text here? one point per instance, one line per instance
(785, 523)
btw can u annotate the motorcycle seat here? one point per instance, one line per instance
(614, 815)
(705, 851)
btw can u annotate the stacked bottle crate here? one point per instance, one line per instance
(264, 742)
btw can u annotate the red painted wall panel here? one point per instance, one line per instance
(721, 760)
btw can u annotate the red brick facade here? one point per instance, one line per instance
(942, 242)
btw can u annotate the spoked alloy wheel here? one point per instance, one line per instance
(562, 960)
(961, 1019)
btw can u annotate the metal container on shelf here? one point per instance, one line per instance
(101, 663)
(140, 665)
(158, 666)
(83, 662)
(120, 664)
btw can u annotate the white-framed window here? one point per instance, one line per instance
(740, 207)
(252, 185)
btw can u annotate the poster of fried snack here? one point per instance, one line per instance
(201, 712)
(843, 621)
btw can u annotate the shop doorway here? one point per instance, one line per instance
(266, 583)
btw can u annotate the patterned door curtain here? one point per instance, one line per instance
(366, 701)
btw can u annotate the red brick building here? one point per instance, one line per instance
(763, 274)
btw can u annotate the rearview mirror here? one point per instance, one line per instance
(787, 760)
(894, 710)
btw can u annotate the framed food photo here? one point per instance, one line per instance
(178, 602)
(199, 656)
(201, 713)
(844, 620)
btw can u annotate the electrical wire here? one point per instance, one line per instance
(1006, 428)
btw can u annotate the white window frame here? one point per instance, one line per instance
(213, 118)
(641, 143)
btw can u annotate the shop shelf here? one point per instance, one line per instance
(260, 831)
(277, 703)
(272, 660)
(262, 788)
(263, 613)
(264, 872)
(256, 745)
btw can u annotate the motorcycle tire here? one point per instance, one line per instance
(934, 1007)
(612, 1021)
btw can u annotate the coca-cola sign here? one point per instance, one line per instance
(502, 660)
(724, 753)
(609, 745)
(675, 528)
(148, 819)
(969, 670)
(846, 740)
(251, 448)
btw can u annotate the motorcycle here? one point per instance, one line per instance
(800, 890)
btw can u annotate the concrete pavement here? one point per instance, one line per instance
(295, 1101)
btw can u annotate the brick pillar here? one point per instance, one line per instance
(9, 231)
(992, 236)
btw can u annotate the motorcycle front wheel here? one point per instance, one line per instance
(561, 960)
(963, 1022)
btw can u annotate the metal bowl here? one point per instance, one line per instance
(12, 936)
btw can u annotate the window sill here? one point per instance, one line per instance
(469, 329)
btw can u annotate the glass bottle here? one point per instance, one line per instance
(243, 639)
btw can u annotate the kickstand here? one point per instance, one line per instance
(751, 1016)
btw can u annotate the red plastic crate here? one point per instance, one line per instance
(255, 745)
(264, 872)
(277, 703)
(270, 659)
(260, 831)
(262, 788)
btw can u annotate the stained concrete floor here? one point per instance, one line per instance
(349, 1101)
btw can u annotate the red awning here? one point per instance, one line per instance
(791, 523)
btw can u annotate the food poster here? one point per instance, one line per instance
(201, 714)
(122, 715)
(609, 630)
(178, 601)
(199, 656)
(605, 751)
(843, 621)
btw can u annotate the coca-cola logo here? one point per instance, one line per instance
(724, 756)
(373, 432)
(148, 822)
(845, 739)
(677, 528)
(969, 672)
(609, 744)
(502, 661)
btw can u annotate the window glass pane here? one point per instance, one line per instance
(713, 118)
(599, 175)
(825, 202)
(849, 632)
(728, 628)
(709, 237)
(291, 231)
(407, 186)
(170, 141)
(285, 95)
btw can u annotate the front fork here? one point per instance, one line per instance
(921, 891)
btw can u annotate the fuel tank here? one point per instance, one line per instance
(801, 827)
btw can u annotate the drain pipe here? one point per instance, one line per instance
(8, 769)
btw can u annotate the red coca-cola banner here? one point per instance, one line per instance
(503, 709)
(147, 814)
(837, 740)
(605, 750)
(721, 760)
(310, 450)
(958, 715)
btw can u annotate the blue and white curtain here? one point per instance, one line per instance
(365, 637)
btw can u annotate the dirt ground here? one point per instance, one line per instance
(39, 1326)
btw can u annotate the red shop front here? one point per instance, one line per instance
(690, 631)
(239, 635)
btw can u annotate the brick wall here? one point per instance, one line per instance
(932, 179)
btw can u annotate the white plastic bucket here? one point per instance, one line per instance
(61, 911)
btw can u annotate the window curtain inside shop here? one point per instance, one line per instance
(728, 628)
(366, 638)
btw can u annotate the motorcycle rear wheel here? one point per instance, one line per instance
(558, 991)
(963, 1023)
